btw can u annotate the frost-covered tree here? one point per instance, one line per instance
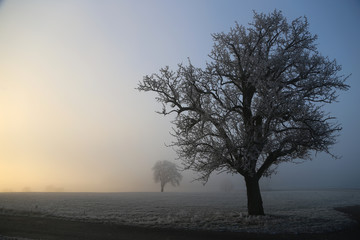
(257, 103)
(166, 172)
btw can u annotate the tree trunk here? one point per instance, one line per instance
(255, 204)
(162, 187)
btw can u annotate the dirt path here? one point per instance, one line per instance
(36, 227)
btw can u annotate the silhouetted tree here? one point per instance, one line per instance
(166, 172)
(256, 104)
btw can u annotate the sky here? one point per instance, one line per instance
(72, 120)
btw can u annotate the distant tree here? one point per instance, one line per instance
(51, 188)
(26, 189)
(257, 103)
(226, 185)
(166, 172)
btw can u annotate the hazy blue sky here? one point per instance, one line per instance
(71, 117)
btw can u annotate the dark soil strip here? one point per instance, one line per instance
(352, 211)
(38, 227)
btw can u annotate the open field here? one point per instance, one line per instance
(187, 215)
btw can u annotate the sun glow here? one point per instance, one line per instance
(70, 117)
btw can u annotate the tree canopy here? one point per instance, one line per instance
(258, 102)
(166, 172)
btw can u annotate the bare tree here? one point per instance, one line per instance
(166, 172)
(257, 103)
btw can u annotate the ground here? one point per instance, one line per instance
(40, 227)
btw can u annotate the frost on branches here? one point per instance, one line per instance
(258, 102)
(166, 172)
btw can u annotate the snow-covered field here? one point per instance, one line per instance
(287, 211)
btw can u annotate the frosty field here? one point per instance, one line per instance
(287, 211)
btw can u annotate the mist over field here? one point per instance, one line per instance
(72, 120)
(213, 119)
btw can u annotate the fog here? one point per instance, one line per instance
(71, 119)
